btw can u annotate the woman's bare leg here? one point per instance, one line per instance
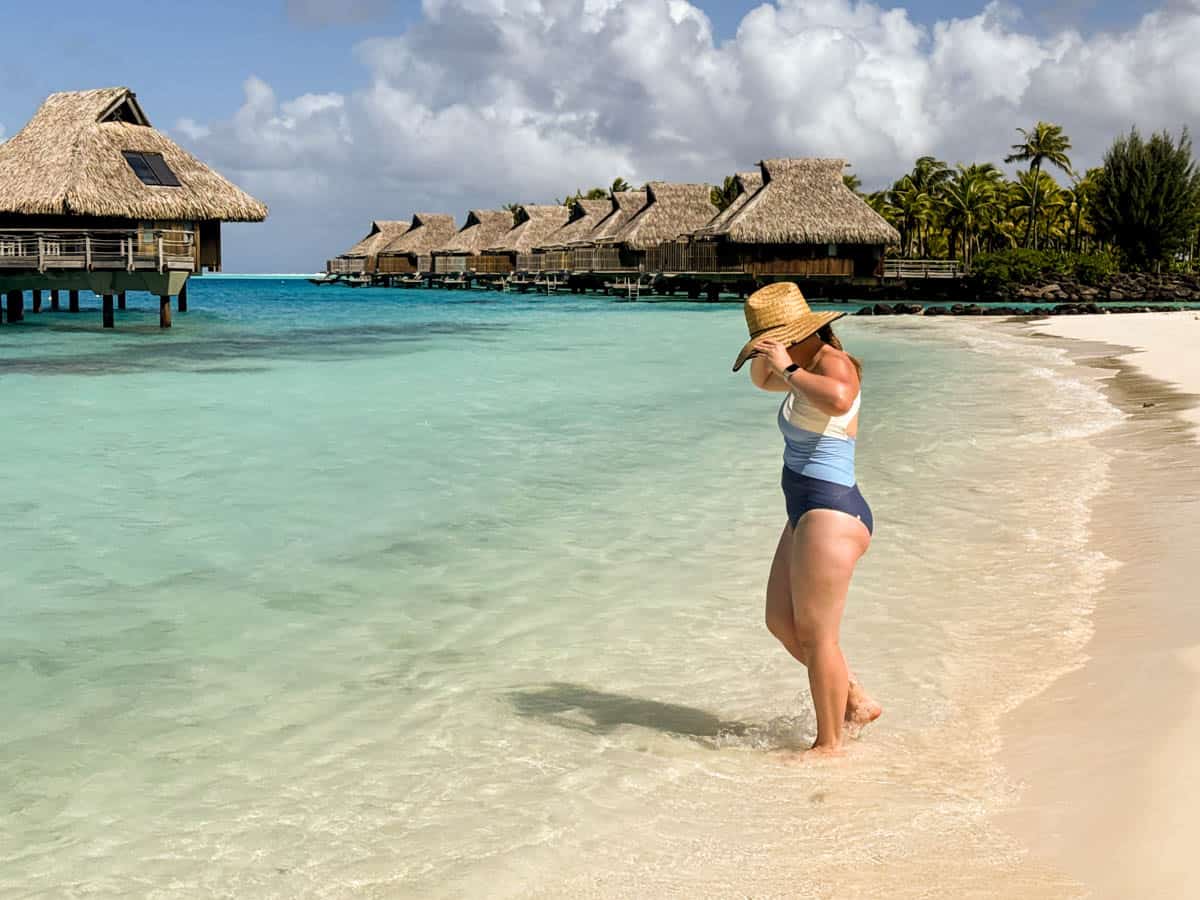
(825, 546)
(861, 709)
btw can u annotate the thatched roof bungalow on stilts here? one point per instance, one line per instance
(482, 229)
(672, 212)
(360, 259)
(92, 197)
(533, 224)
(803, 222)
(592, 248)
(411, 253)
(554, 254)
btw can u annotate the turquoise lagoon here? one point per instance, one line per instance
(332, 592)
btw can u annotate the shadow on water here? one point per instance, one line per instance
(585, 709)
(232, 353)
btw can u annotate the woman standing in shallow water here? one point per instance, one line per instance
(829, 524)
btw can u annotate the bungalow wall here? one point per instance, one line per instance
(495, 263)
(804, 260)
(396, 264)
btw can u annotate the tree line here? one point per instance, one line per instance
(1141, 206)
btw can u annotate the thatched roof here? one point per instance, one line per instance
(747, 184)
(671, 211)
(382, 232)
(483, 228)
(804, 201)
(534, 225)
(585, 216)
(425, 233)
(624, 206)
(68, 161)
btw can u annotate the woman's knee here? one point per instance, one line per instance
(811, 636)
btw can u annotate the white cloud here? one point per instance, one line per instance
(487, 101)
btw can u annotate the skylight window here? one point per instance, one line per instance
(151, 168)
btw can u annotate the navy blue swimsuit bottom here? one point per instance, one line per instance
(803, 493)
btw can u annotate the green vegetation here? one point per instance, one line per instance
(1022, 265)
(1147, 197)
(724, 195)
(1141, 209)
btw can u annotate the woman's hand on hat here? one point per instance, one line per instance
(774, 352)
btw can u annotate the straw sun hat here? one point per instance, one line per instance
(780, 312)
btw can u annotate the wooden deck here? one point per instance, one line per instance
(97, 250)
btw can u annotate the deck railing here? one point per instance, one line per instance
(450, 265)
(92, 250)
(922, 268)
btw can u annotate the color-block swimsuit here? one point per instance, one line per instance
(818, 460)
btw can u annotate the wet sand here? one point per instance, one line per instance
(1107, 755)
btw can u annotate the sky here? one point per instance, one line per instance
(337, 112)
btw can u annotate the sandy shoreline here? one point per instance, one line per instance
(1107, 754)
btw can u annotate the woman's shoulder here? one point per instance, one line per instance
(834, 363)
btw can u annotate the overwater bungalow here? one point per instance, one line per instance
(803, 222)
(554, 254)
(672, 212)
(533, 224)
(593, 247)
(483, 229)
(411, 253)
(93, 198)
(360, 259)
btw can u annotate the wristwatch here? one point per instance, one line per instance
(790, 369)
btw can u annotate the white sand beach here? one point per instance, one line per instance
(1107, 754)
(1165, 346)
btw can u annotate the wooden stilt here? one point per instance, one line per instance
(16, 306)
(107, 318)
(54, 306)
(121, 300)
(183, 298)
(73, 301)
(37, 301)
(164, 311)
(714, 293)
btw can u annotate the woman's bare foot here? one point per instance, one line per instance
(861, 708)
(813, 754)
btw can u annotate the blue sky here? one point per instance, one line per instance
(290, 94)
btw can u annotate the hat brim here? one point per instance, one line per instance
(789, 333)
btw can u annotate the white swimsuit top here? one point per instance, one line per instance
(800, 412)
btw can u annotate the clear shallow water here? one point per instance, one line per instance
(385, 593)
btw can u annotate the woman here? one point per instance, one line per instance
(829, 524)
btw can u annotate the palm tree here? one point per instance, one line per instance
(914, 207)
(1044, 143)
(966, 202)
(928, 176)
(724, 195)
(1035, 200)
(853, 182)
(620, 184)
